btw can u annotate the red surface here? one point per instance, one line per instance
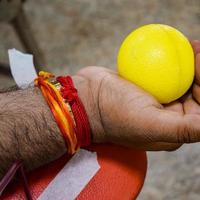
(120, 177)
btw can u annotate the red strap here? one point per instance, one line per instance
(69, 93)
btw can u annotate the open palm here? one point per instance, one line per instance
(132, 117)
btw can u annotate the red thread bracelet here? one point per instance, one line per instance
(69, 92)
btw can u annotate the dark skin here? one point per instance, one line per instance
(119, 112)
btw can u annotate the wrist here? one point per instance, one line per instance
(89, 98)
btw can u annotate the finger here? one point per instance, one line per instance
(159, 146)
(197, 69)
(152, 146)
(173, 127)
(196, 93)
(174, 106)
(196, 46)
(191, 106)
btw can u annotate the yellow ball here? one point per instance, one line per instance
(159, 59)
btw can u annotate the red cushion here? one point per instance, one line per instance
(121, 175)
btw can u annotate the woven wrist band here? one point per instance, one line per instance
(62, 98)
(69, 93)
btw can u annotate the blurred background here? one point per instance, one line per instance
(71, 34)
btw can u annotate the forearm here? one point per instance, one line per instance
(28, 130)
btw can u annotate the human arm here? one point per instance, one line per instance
(118, 111)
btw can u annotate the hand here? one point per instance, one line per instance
(130, 116)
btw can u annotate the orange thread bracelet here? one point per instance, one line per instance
(59, 109)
